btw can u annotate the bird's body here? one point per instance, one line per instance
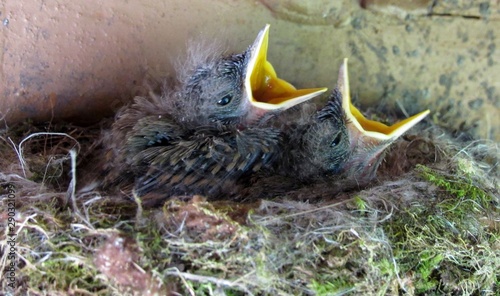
(165, 158)
(316, 148)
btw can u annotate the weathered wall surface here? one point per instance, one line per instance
(83, 58)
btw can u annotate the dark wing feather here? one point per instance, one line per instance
(209, 161)
(153, 131)
(143, 124)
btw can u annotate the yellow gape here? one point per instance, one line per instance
(266, 90)
(370, 128)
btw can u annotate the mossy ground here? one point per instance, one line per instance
(428, 227)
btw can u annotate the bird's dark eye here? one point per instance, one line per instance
(225, 100)
(336, 141)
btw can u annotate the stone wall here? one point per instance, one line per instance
(81, 59)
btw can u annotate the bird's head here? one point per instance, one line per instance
(242, 88)
(326, 141)
(368, 139)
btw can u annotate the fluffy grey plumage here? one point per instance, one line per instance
(317, 145)
(364, 160)
(214, 92)
(316, 150)
(202, 136)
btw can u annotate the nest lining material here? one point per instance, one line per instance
(428, 224)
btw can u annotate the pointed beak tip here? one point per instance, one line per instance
(262, 39)
(322, 90)
(407, 124)
(413, 120)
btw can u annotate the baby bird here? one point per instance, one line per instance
(328, 151)
(207, 133)
(368, 139)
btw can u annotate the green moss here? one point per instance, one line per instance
(56, 263)
(442, 240)
(337, 287)
(360, 203)
(428, 263)
(459, 186)
(63, 273)
(156, 251)
(208, 288)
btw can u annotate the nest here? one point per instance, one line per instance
(429, 224)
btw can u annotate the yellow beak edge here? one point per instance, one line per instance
(371, 128)
(265, 90)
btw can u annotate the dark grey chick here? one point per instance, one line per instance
(332, 150)
(368, 139)
(315, 150)
(204, 135)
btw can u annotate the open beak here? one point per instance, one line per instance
(370, 128)
(368, 138)
(266, 92)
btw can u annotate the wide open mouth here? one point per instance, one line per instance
(267, 90)
(371, 128)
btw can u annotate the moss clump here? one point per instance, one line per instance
(337, 287)
(53, 254)
(460, 190)
(443, 242)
